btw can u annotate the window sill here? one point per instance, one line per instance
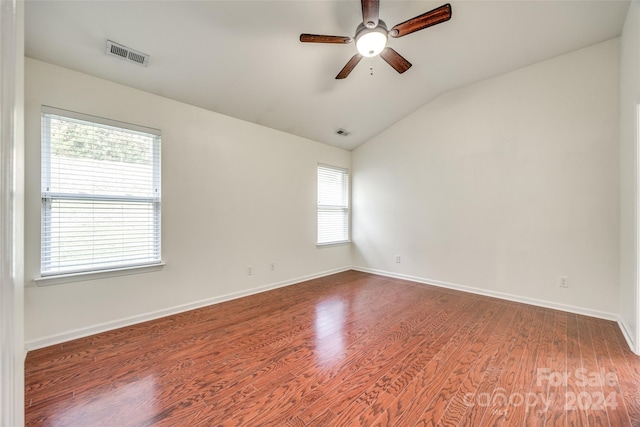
(93, 275)
(324, 245)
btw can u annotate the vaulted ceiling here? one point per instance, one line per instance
(244, 58)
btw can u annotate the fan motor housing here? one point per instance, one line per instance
(362, 30)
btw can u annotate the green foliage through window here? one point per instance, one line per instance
(72, 139)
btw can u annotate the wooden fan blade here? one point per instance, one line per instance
(370, 13)
(317, 38)
(349, 67)
(433, 17)
(396, 60)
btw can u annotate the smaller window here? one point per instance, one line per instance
(333, 205)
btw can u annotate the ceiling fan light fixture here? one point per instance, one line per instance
(371, 41)
(372, 35)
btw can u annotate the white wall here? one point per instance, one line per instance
(502, 186)
(12, 351)
(18, 213)
(629, 97)
(499, 187)
(234, 194)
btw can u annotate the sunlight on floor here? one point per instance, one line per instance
(138, 398)
(329, 329)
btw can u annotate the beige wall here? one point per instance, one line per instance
(234, 194)
(502, 186)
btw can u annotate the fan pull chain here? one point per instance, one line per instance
(371, 66)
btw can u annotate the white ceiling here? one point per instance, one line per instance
(244, 58)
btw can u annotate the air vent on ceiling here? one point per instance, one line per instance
(124, 52)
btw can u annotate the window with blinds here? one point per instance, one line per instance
(100, 194)
(333, 205)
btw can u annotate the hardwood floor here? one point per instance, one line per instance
(348, 349)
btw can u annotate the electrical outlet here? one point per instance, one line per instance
(249, 270)
(398, 259)
(563, 281)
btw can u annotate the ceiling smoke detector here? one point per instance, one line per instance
(342, 132)
(129, 54)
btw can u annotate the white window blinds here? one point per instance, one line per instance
(333, 205)
(100, 194)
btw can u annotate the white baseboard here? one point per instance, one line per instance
(128, 321)
(624, 328)
(500, 295)
(627, 335)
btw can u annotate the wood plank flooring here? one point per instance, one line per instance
(345, 350)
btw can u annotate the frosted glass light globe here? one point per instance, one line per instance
(372, 42)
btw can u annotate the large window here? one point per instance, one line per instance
(100, 194)
(333, 205)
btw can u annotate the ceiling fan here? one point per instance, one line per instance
(372, 35)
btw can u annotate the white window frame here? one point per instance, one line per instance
(52, 276)
(332, 208)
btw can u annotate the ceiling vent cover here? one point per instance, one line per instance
(129, 54)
